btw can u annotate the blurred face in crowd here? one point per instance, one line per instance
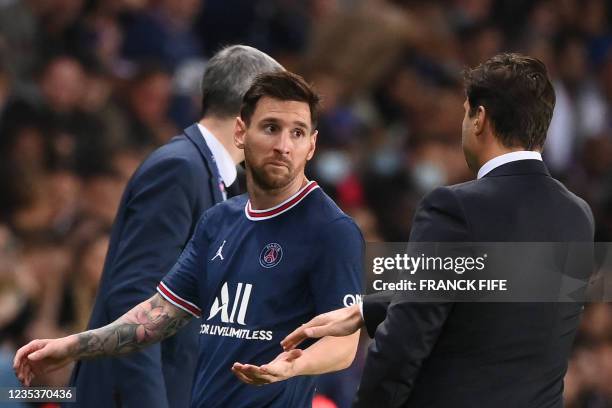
(485, 43)
(63, 84)
(572, 63)
(150, 97)
(278, 141)
(28, 150)
(100, 197)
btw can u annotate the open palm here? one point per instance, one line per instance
(279, 369)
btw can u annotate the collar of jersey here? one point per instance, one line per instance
(260, 215)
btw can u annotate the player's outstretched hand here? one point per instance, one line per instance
(338, 323)
(281, 368)
(41, 356)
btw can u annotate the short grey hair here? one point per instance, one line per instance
(228, 76)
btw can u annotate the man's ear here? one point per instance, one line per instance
(313, 145)
(479, 122)
(239, 133)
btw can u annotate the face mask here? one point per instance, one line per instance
(332, 166)
(386, 162)
(187, 78)
(428, 175)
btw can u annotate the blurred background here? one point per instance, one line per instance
(89, 87)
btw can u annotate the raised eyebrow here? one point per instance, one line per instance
(270, 120)
(301, 124)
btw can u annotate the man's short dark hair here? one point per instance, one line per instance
(284, 86)
(228, 75)
(517, 95)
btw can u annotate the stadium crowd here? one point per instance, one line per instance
(89, 87)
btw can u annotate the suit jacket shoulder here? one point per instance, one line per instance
(514, 206)
(440, 217)
(179, 154)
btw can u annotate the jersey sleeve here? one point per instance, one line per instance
(180, 285)
(336, 277)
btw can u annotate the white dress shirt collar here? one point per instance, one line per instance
(225, 164)
(507, 158)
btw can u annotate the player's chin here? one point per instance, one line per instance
(276, 170)
(278, 178)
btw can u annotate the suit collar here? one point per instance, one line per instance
(225, 163)
(507, 158)
(193, 134)
(519, 167)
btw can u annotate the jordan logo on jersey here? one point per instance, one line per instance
(239, 305)
(219, 253)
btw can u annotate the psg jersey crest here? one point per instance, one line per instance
(271, 255)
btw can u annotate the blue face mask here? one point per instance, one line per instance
(428, 175)
(386, 162)
(332, 166)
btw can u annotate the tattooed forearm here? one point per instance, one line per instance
(149, 322)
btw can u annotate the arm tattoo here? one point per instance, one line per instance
(151, 321)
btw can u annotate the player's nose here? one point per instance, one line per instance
(283, 142)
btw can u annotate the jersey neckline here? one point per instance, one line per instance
(260, 215)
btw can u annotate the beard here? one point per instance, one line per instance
(266, 179)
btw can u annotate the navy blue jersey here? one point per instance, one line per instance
(254, 276)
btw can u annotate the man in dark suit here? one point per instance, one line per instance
(453, 354)
(158, 212)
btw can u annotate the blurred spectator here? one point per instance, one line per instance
(480, 42)
(164, 33)
(91, 244)
(18, 28)
(148, 99)
(579, 110)
(100, 196)
(62, 84)
(61, 28)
